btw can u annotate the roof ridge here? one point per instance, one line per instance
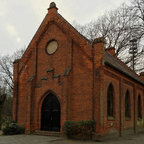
(126, 66)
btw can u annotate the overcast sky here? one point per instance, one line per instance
(20, 19)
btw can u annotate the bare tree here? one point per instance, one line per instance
(6, 67)
(137, 10)
(118, 27)
(2, 99)
(7, 106)
(7, 83)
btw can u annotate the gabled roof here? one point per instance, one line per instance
(113, 62)
(109, 59)
(53, 17)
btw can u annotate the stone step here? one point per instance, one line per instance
(47, 133)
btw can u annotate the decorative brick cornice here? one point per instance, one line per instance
(106, 72)
(139, 88)
(44, 31)
(65, 32)
(60, 26)
(128, 82)
(46, 27)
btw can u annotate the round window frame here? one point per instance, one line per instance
(48, 44)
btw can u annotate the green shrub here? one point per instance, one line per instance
(11, 128)
(78, 129)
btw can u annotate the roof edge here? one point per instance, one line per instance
(123, 72)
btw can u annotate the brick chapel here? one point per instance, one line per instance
(62, 76)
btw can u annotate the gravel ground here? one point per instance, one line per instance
(36, 139)
(127, 139)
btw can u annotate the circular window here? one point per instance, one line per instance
(52, 47)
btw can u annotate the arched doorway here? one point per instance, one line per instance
(50, 114)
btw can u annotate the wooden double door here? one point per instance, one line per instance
(50, 114)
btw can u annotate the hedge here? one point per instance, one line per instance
(12, 128)
(79, 129)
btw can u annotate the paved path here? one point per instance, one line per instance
(36, 139)
(28, 139)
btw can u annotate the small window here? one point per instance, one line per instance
(139, 107)
(110, 101)
(127, 105)
(52, 47)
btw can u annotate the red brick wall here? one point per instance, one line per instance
(83, 93)
(128, 123)
(59, 61)
(82, 84)
(68, 55)
(121, 84)
(24, 74)
(109, 78)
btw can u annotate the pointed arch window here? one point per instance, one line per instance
(127, 105)
(139, 107)
(110, 101)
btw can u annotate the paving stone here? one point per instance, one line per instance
(27, 139)
(36, 139)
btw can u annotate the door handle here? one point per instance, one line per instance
(51, 118)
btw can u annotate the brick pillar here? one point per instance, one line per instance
(34, 72)
(64, 106)
(66, 97)
(66, 103)
(30, 93)
(121, 107)
(98, 97)
(15, 90)
(135, 108)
